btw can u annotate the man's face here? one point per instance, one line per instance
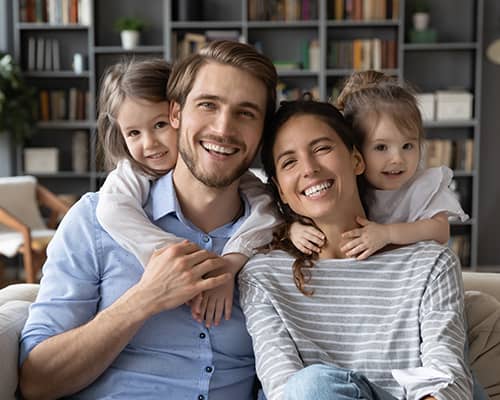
(221, 123)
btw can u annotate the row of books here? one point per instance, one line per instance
(184, 44)
(365, 10)
(456, 154)
(55, 12)
(43, 54)
(282, 10)
(362, 54)
(63, 105)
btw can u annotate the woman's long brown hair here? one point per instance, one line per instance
(281, 240)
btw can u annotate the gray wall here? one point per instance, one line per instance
(489, 184)
(6, 149)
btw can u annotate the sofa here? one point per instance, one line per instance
(482, 306)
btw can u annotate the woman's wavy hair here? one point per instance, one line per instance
(281, 240)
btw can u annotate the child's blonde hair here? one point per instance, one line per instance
(143, 79)
(369, 95)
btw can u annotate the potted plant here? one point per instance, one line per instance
(129, 28)
(17, 101)
(421, 15)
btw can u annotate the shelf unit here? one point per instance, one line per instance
(280, 40)
(432, 67)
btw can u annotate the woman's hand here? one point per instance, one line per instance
(366, 240)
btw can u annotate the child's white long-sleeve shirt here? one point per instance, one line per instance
(120, 212)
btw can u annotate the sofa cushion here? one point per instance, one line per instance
(13, 315)
(483, 319)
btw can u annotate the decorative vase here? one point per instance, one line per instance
(421, 21)
(130, 39)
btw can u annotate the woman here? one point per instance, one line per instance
(389, 327)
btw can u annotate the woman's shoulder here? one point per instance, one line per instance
(268, 263)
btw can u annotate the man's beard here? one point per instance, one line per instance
(212, 179)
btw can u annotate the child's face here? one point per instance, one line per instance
(150, 138)
(391, 158)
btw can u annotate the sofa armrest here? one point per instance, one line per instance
(19, 291)
(488, 283)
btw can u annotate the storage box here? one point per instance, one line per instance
(41, 160)
(426, 104)
(453, 105)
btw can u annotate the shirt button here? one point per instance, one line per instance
(206, 239)
(202, 335)
(201, 397)
(209, 369)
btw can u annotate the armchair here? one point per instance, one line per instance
(22, 228)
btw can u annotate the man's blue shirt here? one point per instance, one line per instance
(172, 356)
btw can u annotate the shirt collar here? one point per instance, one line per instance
(163, 200)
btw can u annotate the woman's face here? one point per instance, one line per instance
(315, 172)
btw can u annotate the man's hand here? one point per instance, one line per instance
(176, 274)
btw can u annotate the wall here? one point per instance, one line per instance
(489, 184)
(6, 149)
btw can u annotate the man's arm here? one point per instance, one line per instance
(69, 361)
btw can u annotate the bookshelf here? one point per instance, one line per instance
(300, 41)
(433, 67)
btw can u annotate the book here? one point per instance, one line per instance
(31, 53)
(84, 14)
(48, 55)
(40, 53)
(43, 99)
(56, 60)
(339, 10)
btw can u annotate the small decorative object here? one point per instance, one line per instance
(421, 32)
(17, 101)
(80, 151)
(421, 15)
(78, 63)
(129, 28)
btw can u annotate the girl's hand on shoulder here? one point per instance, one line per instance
(365, 241)
(306, 238)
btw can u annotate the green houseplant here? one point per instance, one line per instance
(129, 28)
(17, 101)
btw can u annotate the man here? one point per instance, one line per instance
(102, 326)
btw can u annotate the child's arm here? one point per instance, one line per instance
(306, 238)
(120, 213)
(212, 304)
(371, 237)
(257, 229)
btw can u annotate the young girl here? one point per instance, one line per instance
(133, 127)
(405, 203)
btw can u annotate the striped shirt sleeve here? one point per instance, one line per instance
(443, 333)
(277, 358)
